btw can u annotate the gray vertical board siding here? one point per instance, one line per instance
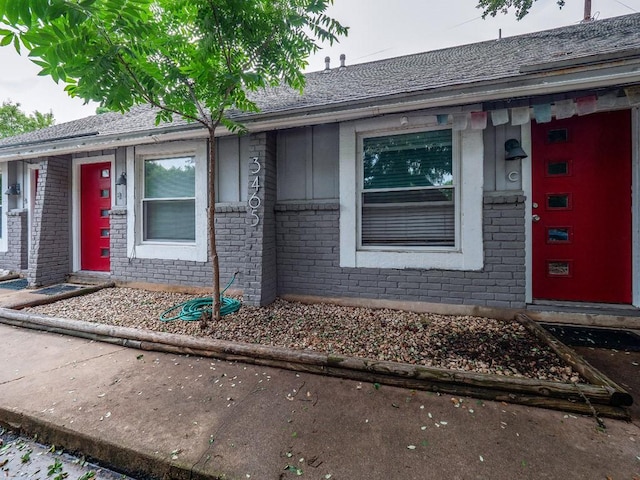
(308, 163)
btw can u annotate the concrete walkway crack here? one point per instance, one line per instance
(12, 380)
(59, 367)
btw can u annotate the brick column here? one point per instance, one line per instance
(504, 252)
(118, 241)
(50, 259)
(18, 243)
(260, 278)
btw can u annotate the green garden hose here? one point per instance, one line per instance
(192, 310)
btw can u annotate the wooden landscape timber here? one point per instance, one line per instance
(62, 296)
(601, 396)
(619, 396)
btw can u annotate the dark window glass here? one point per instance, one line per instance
(558, 168)
(558, 201)
(558, 136)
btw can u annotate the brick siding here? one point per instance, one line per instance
(50, 259)
(260, 248)
(249, 250)
(308, 261)
(230, 238)
(15, 258)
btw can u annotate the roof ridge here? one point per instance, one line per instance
(577, 25)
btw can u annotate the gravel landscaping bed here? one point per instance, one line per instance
(465, 343)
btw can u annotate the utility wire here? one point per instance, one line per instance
(625, 5)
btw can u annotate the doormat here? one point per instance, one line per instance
(18, 284)
(576, 336)
(57, 289)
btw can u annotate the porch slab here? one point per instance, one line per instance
(29, 297)
(12, 298)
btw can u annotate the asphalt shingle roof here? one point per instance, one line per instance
(487, 61)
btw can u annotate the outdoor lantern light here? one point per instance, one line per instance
(514, 150)
(13, 189)
(122, 179)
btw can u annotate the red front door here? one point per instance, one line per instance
(95, 203)
(581, 170)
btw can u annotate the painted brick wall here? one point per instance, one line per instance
(249, 250)
(230, 233)
(260, 245)
(50, 260)
(308, 260)
(15, 258)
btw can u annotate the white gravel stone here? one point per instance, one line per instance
(466, 343)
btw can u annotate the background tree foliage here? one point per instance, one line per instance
(191, 58)
(522, 7)
(13, 121)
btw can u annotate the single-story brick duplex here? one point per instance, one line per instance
(397, 180)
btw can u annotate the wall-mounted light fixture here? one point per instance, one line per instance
(13, 189)
(122, 179)
(514, 150)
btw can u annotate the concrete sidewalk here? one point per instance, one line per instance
(176, 416)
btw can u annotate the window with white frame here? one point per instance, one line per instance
(410, 198)
(407, 190)
(169, 199)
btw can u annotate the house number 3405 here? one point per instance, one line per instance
(254, 199)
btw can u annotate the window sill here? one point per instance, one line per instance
(173, 251)
(442, 260)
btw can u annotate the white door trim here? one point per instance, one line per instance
(527, 187)
(31, 202)
(635, 206)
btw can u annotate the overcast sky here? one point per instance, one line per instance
(378, 29)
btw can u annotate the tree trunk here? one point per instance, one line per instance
(212, 227)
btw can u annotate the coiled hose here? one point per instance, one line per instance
(192, 310)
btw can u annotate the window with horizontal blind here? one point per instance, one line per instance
(169, 199)
(408, 190)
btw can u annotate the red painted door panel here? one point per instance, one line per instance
(95, 203)
(582, 208)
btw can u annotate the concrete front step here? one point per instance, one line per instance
(88, 278)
